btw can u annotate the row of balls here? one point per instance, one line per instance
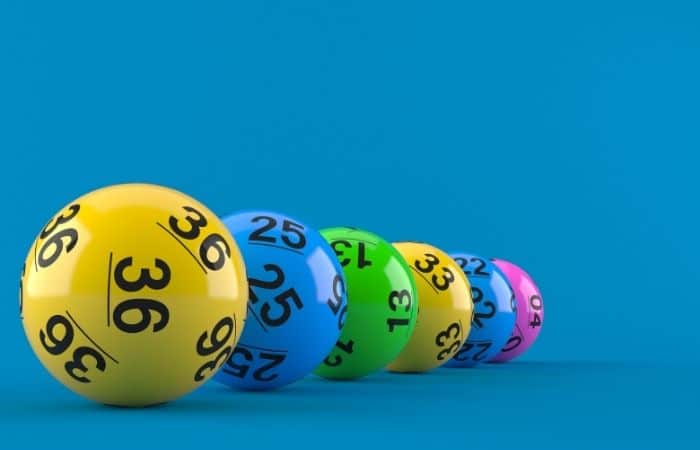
(135, 294)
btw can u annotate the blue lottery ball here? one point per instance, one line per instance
(296, 304)
(494, 311)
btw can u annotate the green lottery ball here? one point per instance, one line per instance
(382, 304)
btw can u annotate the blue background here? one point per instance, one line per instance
(561, 136)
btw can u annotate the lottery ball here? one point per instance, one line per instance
(530, 311)
(296, 301)
(133, 295)
(382, 304)
(444, 316)
(494, 311)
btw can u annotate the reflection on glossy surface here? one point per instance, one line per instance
(297, 302)
(530, 311)
(445, 311)
(129, 283)
(382, 304)
(494, 311)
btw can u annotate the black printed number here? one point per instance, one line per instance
(196, 223)
(60, 220)
(214, 344)
(462, 354)
(398, 299)
(58, 241)
(221, 249)
(515, 339)
(57, 345)
(240, 367)
(428, 265)
(536, 306)
(443, 282)
(292, 232)
(477, 297)
(452, 333)
(212, 243)
(512, 343)
(55, 245)
(465, 264)
(283, 300)
(338, 247)
(345, 347)
(145, 307)
(56, 340)
(336, 303)
(78, 363)
(145, 279)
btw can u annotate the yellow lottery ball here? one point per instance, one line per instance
(133, 295)
(444, 311)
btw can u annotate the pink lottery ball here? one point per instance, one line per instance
(529, 314)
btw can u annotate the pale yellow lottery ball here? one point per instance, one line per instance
(133, 295)
(444, 312)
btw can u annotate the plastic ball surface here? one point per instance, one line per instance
(445, 312)
(382, 304)
(494, 311)
(530, 311)
(133, 295)
(297, 303)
